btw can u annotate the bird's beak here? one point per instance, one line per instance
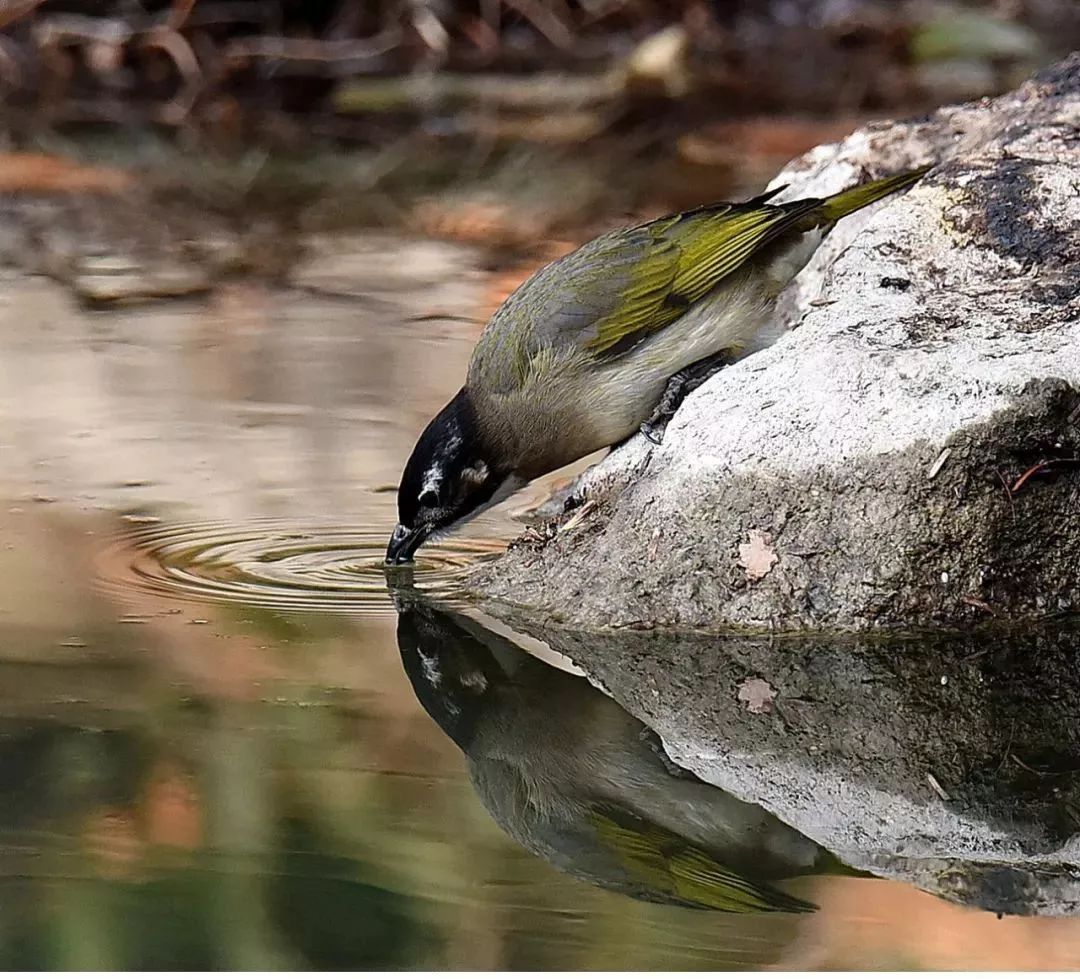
(403, 544)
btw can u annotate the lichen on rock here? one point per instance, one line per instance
(908, 442)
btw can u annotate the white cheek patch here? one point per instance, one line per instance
(435, 475)
(433, 479)
(430, 665)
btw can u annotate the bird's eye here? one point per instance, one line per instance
(429, 498)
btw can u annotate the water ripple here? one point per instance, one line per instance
(274, 565)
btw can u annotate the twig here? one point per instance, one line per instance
(1038, 774)
(1005, 754)
(938, 463)
(936, 786)
(978, 603)
(61, 29)
(538, 92)
(579, 515)
(1038, 467)
(544, 20)
(179, 12)
(1027, 768)
(338, 58)
(172, 43)
(1008, 492)
(482, 35)
(9, 63)
(431, 30)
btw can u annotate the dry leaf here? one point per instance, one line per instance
(757, 694)
(757, 556)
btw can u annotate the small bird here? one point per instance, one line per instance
(576, 780)
(605, 341)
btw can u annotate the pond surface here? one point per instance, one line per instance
(222, 747)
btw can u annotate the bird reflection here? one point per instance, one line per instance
(578, 781)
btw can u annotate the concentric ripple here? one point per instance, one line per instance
(270, 565)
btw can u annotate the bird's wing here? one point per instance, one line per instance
(710, 244)
(569, 306)
(672, 869)
(625, 286)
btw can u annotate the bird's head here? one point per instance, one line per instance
(450, 476)
(454, 675)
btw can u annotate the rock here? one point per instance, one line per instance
(930, 363)
(113, 250)
(116, 279)
(380, 266)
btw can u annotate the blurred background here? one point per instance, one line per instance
(245, 249)
(505, 122)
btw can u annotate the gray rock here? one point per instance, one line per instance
(907, 448)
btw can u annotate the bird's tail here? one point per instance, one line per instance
(848, 201)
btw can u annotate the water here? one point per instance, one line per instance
(275, 565)
(221, 746)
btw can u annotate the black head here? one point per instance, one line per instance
(454, 675)
(449, 477)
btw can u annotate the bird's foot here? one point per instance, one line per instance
(654, 428)
(678, 387)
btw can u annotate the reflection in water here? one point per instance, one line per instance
(278, 565)
(950, 760)
(575, 779)
(254, 886)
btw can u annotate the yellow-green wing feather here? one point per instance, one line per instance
(710, 245)
(714, 241)
(619, 289)
(643, 303)
(668, 865)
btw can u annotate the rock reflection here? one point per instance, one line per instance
(578, 781)
(947, 761)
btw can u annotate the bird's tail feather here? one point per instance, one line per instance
(848, 201)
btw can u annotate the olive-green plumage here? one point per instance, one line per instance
(579, 356)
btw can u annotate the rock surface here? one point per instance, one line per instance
(908, 452)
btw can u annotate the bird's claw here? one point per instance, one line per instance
(679, 385)
(654, 430)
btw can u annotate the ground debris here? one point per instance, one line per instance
(1039, 468)
(534, 538)
(579, 515)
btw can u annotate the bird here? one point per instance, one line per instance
(605, 342)
(581, 783)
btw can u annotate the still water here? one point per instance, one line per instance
(224, 743)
